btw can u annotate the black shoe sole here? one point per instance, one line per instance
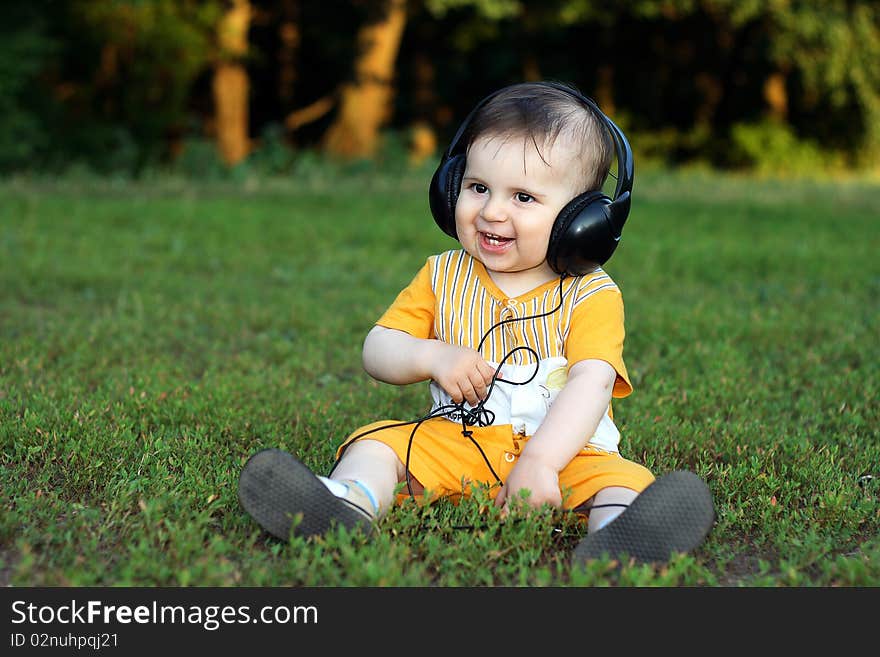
(275, 488)
(674, 514)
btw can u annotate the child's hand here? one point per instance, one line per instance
(539, 478)
(461, 372)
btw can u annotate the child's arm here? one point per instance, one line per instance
(397, 357)
(569, 424)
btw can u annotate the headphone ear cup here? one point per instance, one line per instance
(443, 193)
(583, 236)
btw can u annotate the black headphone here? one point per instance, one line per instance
(586, 231)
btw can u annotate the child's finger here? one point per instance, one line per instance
(469, 391)
(480, 387)
(487, 372)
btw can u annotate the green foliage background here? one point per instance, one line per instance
(685, 76)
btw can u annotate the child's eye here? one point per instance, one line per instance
(522, 197)
(479, 188)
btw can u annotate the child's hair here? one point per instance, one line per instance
(540, 113)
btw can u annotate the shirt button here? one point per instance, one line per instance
(509, 457)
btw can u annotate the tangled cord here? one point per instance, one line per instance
(476, 416)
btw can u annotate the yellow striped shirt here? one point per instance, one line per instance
(453, 299)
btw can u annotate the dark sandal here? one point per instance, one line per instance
(275, 488)
(673, 514)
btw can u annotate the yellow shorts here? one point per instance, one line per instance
(446, 463)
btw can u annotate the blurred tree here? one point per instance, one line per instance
(302, 53)
(476, 19)
(365, 101)
(123, 75)
(25, 47)
(834, 46)
(231, 85)
(122, 84)
(817, 60)
(825, 59)
(289, 37)
(423, 138)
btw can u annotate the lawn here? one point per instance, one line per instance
(153, 335)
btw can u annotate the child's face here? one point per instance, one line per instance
(510, 198)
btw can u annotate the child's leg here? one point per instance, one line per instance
(609, 503)
(372, 467)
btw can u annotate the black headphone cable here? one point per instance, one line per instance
(478, 415)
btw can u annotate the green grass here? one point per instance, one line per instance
(153, 336)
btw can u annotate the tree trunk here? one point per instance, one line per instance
(776, 96)
(605, 89)
(365, 102)
(289, 40)
(231, 85)
(712, 90)
(423, 138)
(531, 67)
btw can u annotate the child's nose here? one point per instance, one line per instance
(494, 210)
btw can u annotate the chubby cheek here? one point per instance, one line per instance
(468, 238)
(534, 243)
(464, 213)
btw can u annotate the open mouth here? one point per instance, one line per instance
(494, 242)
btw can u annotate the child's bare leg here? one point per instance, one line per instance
(601, 515)
(374, 466)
